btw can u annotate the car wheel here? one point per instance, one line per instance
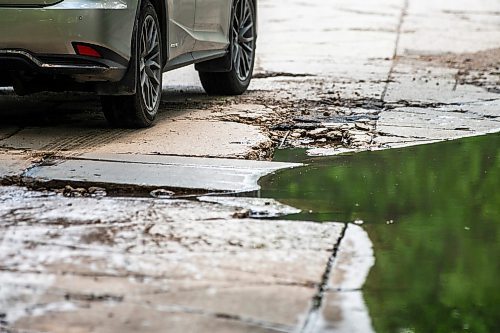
(139, 110)
(242, 53)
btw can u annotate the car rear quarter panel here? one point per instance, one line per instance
(52, 29)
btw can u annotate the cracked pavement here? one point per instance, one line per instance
(330, 77)
(118, 264)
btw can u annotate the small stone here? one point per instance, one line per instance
(161, 193)
(70, 191)
(234, 242)
(95, 191)
(241, 214)
(359, 222)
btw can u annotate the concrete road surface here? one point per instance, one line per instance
(331, 76)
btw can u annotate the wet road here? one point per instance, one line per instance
(433, 215)
(330, 77)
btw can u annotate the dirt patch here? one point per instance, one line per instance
(93, 297)
(478, 61)
(480, 69)
(99, 236)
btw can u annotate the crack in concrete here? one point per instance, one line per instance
(457, 80)
(270, 74)
(22, 179)
(43, 160)
(317, 301)
(404, 11)
(91, 297)
(464, 129)
(387, 134)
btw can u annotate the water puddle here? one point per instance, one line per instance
(432, 213)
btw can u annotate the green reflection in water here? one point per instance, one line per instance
(438, 264)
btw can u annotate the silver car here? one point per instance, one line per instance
(120, 48)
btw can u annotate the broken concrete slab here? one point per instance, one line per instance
(156, 261)
(173, 172)
(420, 135)
(173, 137)
(254, 207)
(13, 165)
(203, 138)
(435, 120)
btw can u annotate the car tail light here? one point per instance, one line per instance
(86, 50)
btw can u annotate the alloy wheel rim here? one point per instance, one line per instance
(243, 39)
(149, 64)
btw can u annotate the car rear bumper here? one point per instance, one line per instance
(79, 68)
(42, 38)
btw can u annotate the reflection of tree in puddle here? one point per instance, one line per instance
(437, 265)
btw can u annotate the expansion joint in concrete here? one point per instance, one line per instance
(402, 17)
(317, 301)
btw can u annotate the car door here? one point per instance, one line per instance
(211, 24)
(181, 15)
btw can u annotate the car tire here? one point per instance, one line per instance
(140, 110)
(242, 54)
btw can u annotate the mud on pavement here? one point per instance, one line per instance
(371, 75)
